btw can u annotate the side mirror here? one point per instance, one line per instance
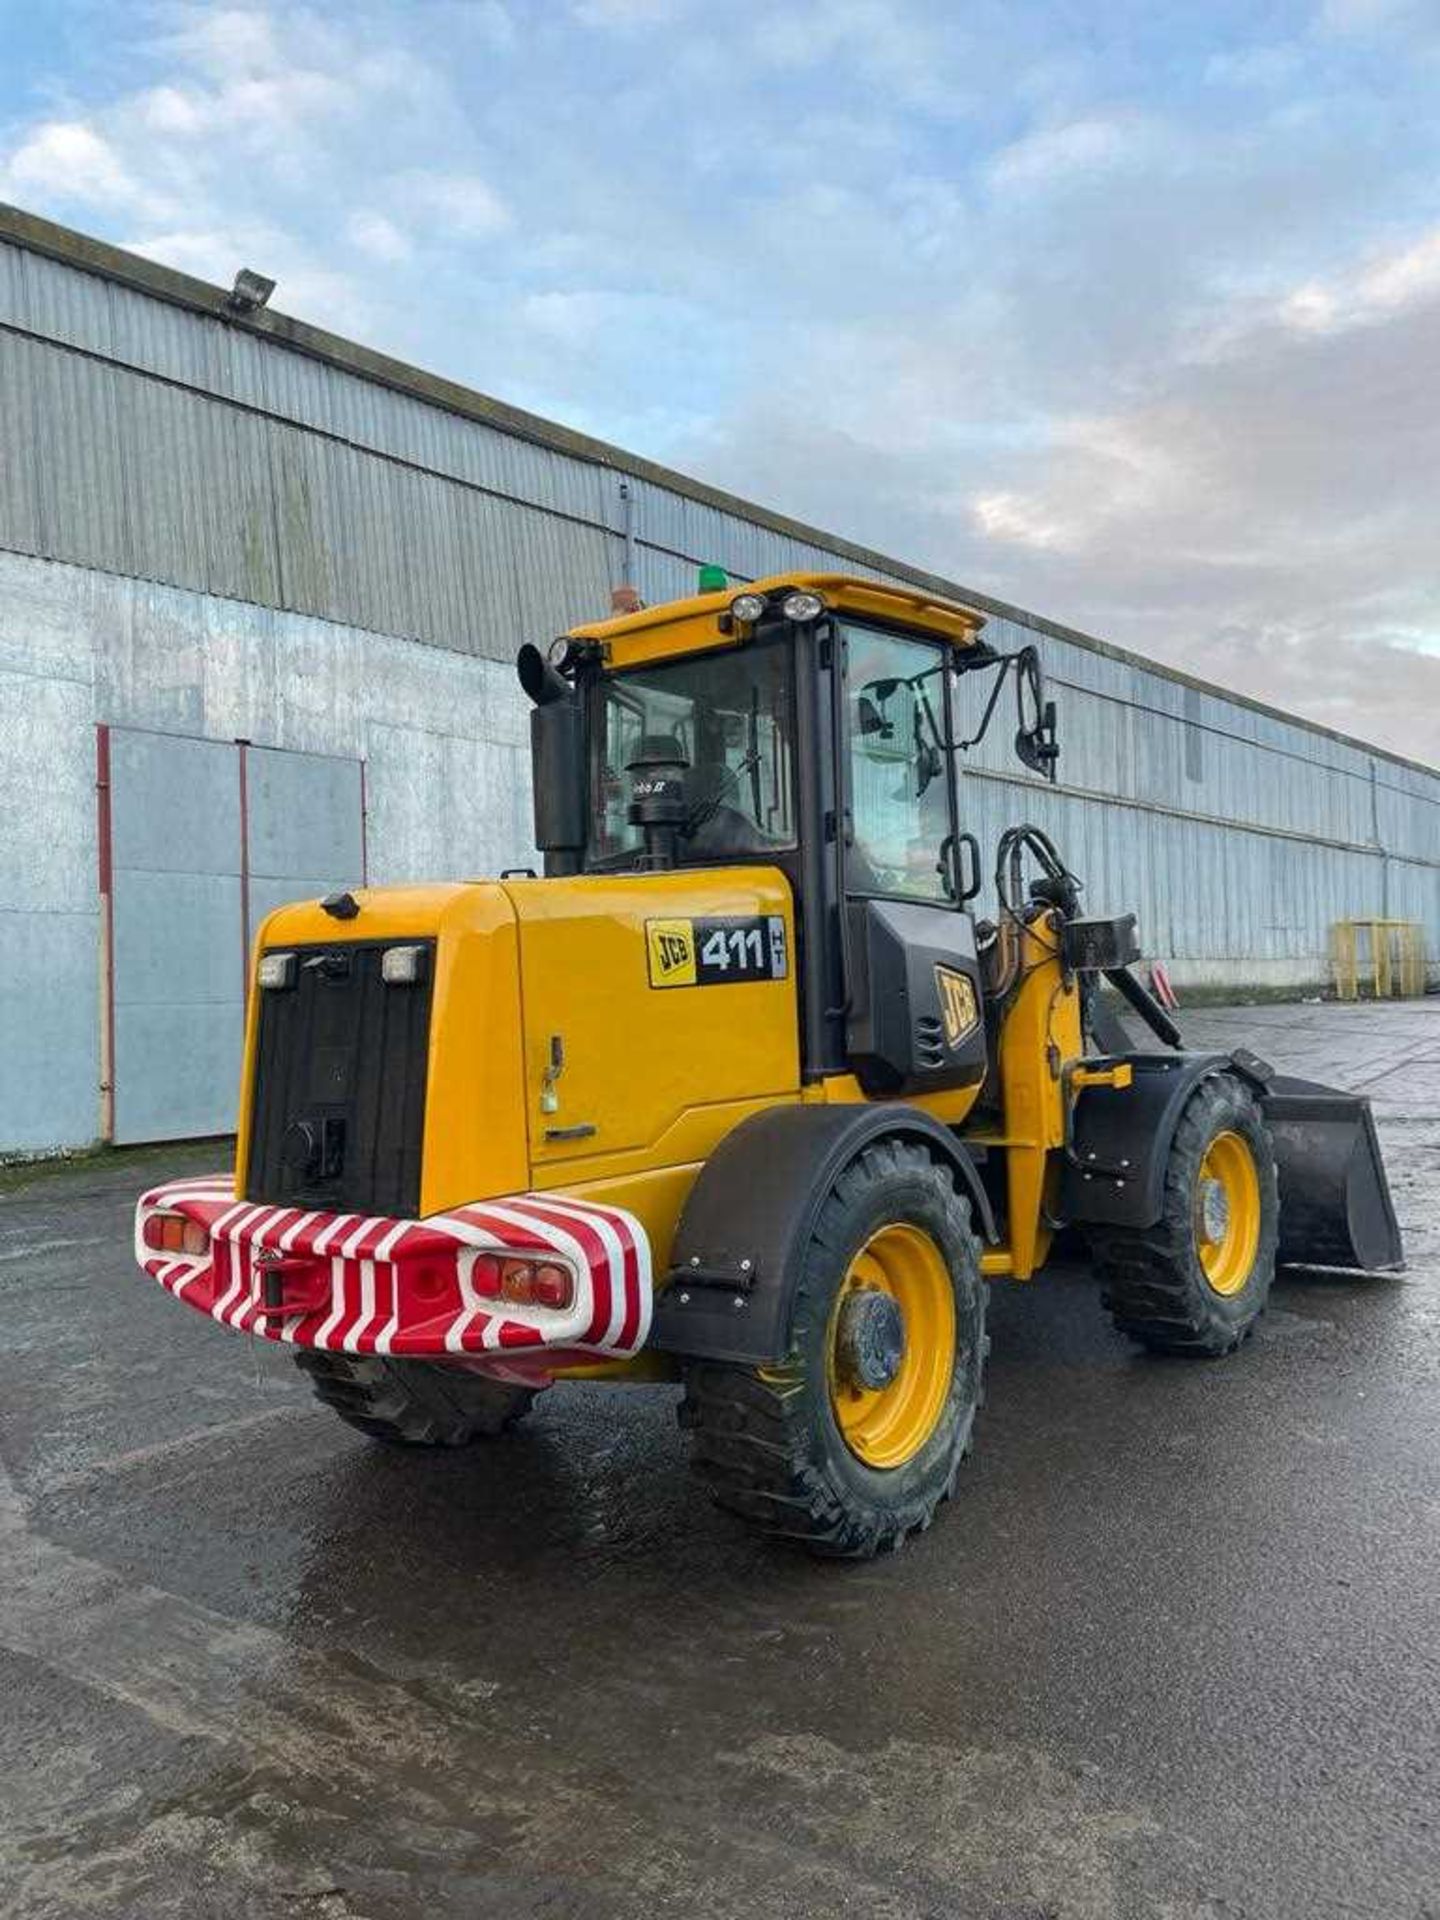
(1035, 741)
(929, 765)
(870, 719)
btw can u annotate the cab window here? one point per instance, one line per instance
(728, 721)
(899, 771)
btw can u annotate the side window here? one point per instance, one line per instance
(899, 773)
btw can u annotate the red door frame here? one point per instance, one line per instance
(105, 849)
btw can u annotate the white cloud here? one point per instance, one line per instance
(257, 129)
(378, 237)
(1385, 284)
(229, 43)
(68, 160)
(172, 111)
(463, 203)
(1010, 516)
(1053, 153)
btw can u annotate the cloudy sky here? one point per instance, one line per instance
(1125, 310)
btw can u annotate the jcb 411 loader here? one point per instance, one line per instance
(740, 1093)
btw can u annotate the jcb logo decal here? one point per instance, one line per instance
(958, 1008)
(671, 945)
(673, 950)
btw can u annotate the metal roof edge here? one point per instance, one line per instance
(75, 249)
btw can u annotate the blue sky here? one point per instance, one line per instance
(1130, 313)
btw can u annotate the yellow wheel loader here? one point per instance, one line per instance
(740, 1093)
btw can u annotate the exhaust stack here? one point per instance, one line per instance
(557, 762)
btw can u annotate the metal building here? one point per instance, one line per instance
(260, 591)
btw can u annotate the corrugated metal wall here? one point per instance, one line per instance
(271, 496)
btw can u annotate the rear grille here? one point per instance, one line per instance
(338, 1113)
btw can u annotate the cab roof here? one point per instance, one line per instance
(693, 625)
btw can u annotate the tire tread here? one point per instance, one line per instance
(412, 1403)
(752, 1430)
(1149, 1274)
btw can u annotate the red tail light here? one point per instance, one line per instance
(525, 1283)
(173, 1233)
(553, 1285)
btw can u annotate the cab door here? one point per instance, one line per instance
(914, 1018)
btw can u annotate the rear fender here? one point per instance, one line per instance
(751, 1213)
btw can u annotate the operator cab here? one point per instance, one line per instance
(809, 724)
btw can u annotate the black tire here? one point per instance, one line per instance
(1155, 1285)
(766, 1441)
(413, 1403)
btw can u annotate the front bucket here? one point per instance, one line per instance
(1335, 1206)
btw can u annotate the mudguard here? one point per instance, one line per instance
(750, 1215)
(1114, 1174)
(1335, 1208)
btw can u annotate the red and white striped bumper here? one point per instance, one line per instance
(353, 1284)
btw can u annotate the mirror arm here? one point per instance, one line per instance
(1004, 661)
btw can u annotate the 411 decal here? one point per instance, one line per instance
(717, 951)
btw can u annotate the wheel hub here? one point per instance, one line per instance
(1227, 1218)
(869, 1339)
(1214, 1211)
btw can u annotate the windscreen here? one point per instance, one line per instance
(728, 720)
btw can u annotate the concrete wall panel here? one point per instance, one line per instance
(304, 814)
(49, 1030)
(47, 795)
(195, 1098)
(175, 804)
(177, 943)
(459, 808)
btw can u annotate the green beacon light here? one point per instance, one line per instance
(713, 579)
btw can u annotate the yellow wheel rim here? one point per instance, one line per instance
(1227, 1213)
(887, 1425)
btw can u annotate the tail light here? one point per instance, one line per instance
(550, 1284)
(174, 1233)
(525, 1283)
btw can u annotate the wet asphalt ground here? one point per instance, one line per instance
(1173, 1651)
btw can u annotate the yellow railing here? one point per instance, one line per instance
(1378, 959)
